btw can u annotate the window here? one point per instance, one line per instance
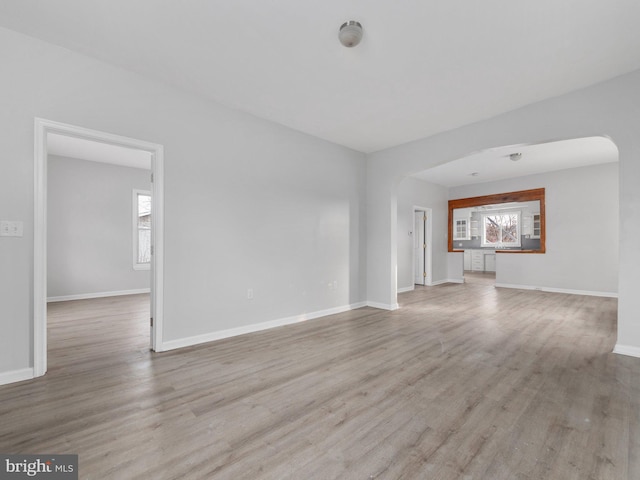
(501, 230)
(141, 230)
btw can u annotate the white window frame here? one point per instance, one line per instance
(134, 210)
(499, 245)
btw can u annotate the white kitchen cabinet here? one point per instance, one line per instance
(531, 225)
(489, 262)
(474, 229)
(477, 260)
(461, 219)
(467, 259)
(461, 229)
(536, 226)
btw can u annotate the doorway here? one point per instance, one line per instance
(422, 246)
(43, 128)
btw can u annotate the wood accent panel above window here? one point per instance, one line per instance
(497, 199)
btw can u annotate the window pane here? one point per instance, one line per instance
(509, 228)
(144, 204)
(144, 221)
(144, 246)
(491, 229)
(144, 228)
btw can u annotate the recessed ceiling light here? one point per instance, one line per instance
(473, 174)
(514, 157)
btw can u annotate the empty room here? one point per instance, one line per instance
(275, 240)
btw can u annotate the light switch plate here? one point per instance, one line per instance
(11, 229)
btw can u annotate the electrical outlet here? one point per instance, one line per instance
(11, 229)
(335, 284)
(250, 294)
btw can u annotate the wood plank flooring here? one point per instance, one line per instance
(485, 278)
(463, 382)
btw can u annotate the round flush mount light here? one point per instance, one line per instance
(350, 33)
(514, 157)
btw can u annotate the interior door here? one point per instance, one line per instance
(420, 248)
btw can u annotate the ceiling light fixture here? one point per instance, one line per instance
(514, 157)
(350, 33)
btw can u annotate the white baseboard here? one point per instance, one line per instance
(383, 306)
(16, 376)
(256, 327)
(428, 284)
(450, 280)
(627, 350)
(84, 296)
(559, 290)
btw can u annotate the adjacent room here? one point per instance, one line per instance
(274, 240)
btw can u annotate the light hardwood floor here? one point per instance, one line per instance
(485, 278)
(463, 382)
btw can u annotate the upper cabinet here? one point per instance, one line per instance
(461, 224)
(537, 226)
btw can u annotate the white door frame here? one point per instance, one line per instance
(42, 128)
(419, 247)
(428, 234)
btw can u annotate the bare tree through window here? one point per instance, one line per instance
(502, 230)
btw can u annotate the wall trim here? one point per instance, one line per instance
(383, 306)
(429, 284)
(16, 376)
(255, 327)
(84, 296)
(559, 290)
(627, 350)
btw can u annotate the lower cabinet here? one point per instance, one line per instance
(467, 259)
(480, 260)
(490, 262)
(477, 260)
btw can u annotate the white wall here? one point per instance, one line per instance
(90, 227)
(611, 108)
(248, 203)
(413, 192)
(581, 231)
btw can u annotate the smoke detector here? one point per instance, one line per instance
(350, 33)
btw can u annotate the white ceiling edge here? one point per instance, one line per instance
(91, 150)
(495, 164)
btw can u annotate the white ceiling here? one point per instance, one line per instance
(91, 150)
(423, 66)
(496, 164)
